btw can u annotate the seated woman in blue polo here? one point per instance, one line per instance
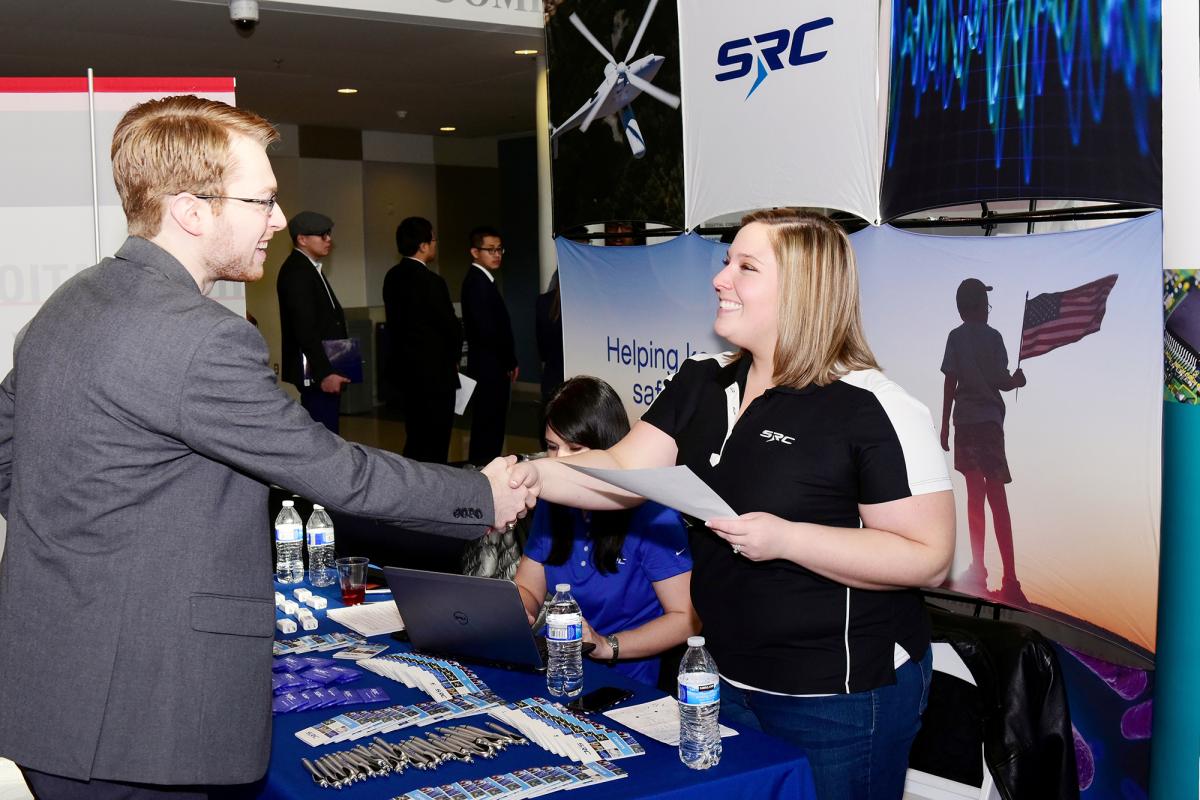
(630, 570)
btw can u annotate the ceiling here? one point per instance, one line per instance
(289, 69)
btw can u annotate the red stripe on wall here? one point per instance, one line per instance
(42, 85)
(165, 85)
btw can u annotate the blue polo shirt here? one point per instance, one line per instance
(655, 548)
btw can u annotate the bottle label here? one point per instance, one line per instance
(564, 627)
(317, 538)
(289, 533)
(700, 690)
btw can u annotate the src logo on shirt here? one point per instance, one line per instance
(775, 436)
(468, 513)
(773, 47)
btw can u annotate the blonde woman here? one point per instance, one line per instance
(807, 597)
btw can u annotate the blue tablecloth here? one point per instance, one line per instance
(753, 766)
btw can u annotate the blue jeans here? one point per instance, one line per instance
(856, 743)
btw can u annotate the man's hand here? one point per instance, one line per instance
(333, 383)
(513, 373)
(1019, 378)
(512, 500)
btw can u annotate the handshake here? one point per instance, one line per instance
(515, 488)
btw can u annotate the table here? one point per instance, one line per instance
(753, 765)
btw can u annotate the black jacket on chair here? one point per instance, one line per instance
(1019, 711)
(308, 315)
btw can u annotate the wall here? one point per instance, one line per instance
(467, 197)
(519, 220)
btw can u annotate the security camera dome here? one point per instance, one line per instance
(244, 15)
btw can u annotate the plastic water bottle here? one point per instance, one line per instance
(289, 544)
(699, 705)
(564, 644)
(319, 532)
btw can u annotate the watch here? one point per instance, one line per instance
(615, 644)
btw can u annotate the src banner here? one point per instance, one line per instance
(631, 315)
(780, 106)
(616, 141)
(1057, 476)
(995, 100)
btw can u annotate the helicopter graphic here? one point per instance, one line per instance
(623, 82)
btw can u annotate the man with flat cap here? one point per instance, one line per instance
(309, 313)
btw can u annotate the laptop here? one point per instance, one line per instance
(465, 618)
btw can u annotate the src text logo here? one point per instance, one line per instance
(740, 56)
(469, 513)
(775, 436)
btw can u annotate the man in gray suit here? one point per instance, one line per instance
(139, 428)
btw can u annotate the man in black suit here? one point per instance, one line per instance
(491, 352)
(426, 343)
(309, 313)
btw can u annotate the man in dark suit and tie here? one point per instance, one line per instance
(140, 427)
(309, 313)
(426, 342)
(491, 352)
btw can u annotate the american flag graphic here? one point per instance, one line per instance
(1057, 318)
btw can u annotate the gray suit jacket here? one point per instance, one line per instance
(138, 427)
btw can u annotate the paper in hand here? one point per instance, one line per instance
(466, 387)
(675, 487)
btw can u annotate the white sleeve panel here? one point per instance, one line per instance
(923, 456)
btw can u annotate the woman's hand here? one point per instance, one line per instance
(525, 474)
(602, 652)
(758, 536)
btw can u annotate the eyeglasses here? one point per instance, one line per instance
(496, 251)
(268, 204)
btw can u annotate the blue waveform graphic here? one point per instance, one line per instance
(937, 43)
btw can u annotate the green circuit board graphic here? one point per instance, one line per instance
(1181, 372)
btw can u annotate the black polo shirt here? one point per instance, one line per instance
(806, 455)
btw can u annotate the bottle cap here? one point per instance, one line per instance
(695, 641)
(288, 504)
(318, 508)
(562, 587)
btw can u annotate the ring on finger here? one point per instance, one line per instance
(737, 549)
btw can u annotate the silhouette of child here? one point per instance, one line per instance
(976, 369)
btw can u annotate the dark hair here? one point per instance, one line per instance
(411, 233)
(586, 411)
(481, 233)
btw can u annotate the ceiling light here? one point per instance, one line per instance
(447, 129)
(347, 90)
(525, 52)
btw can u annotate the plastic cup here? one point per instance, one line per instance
(352, 578)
